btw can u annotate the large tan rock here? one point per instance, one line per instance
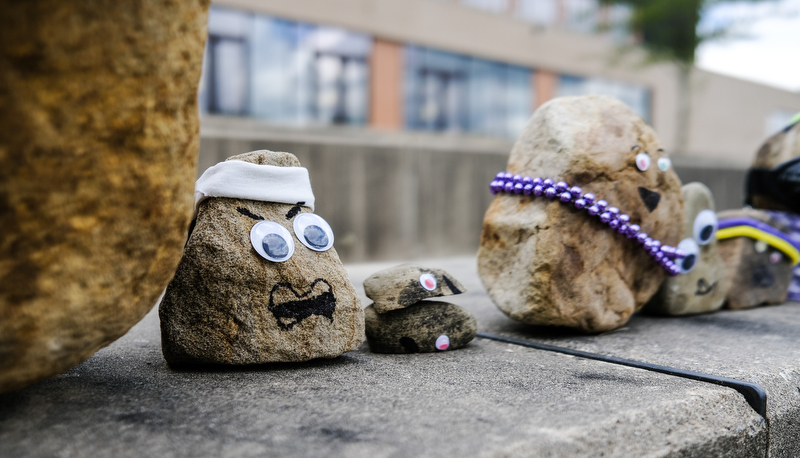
(98, 146)
(704, 284)
(229, 305)
(544, 262)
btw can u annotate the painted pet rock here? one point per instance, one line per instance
(758, 255)
(581, 232)
(401, 322)
(774, 175)
(704, 283)
(405, 285)
(259, 280)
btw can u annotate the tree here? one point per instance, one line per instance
(669, 31)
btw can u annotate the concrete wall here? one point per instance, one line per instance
(403, 196)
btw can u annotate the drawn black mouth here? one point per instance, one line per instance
(704, 288)
(650, 198)
(762, 277)
(289, 307)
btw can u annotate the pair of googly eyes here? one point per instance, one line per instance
(704, 229)
(762, 247)
(643, 162)
(275, 243)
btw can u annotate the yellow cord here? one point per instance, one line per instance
(748, 231)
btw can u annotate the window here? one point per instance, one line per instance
(541, 12)
(451, 92)
(635, 96)
(284, 71)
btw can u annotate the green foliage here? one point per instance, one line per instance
(668, 28)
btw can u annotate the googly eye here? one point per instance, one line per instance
(775, 257)
(313, 231)
(705, 227)
(643, 161)
(761, 246)
(272, 241)
(692, 250)
(427, 281)
(442, 342)
(664, 164)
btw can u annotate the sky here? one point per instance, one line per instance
(765, 46)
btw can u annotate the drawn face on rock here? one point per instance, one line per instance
(703, 283)
(759, 273)
(262, 283)
(584, 274)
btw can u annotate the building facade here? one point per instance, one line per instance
(447, 80)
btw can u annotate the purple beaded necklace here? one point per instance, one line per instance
(509, 183)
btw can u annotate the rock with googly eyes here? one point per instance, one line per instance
(259, 282)
(401, 321)
(566, 262)
(758, 256)
(704, 283)
(402, 286)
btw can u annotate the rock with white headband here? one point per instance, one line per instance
(400, 321)
(588, 212)
(259, 280)
(703, 283)
(758, 255)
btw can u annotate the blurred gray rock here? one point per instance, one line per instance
(228, 305)
(401, 286)
(754, 276)
(419, 329)
(702, 289)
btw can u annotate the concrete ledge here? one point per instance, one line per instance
(488, 399)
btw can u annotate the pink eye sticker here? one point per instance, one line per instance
(427, 281)
(775, 257)
(643, 161)
(442, 342)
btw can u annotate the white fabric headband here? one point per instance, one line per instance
(244, 180)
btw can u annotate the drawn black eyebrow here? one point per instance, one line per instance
(294, 211)
(249, 214)
(636, 146)
(660, 149)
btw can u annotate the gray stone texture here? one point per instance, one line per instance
(545, 263)
(415, 329)
(705, 287)
(98, 150)
(228, 305)
(754, 278)
(400, 286)
(487, 399)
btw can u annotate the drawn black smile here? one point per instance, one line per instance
(704, 288)
(290, 307)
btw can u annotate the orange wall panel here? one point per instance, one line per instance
(386, 85)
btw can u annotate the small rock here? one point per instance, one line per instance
(426, 327)
(758, 273)
(228, 304)
(401, 286)
(704, 287)
(543, 261)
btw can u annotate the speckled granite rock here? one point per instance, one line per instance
(542, 261)
(98, 152)
(754, 275)
(401, 286)
(426, 327)
(229, 305)
(704, 287)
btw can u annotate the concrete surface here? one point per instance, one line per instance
(488, 399)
